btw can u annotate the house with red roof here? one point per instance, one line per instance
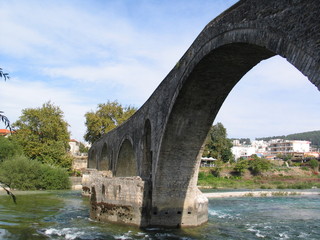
(5, 132)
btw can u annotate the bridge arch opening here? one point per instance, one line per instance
(126, 165)
(192, 113)
(104, 162)
(272, 99)
(92, 159)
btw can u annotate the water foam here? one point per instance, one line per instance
(222, 215)
(67, 233)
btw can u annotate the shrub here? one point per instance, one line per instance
(215, 171)
(314, 164)
(9, 148)
(24, 174)
(259, 165)
(241, 166)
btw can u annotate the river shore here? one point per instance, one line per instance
(257, 193)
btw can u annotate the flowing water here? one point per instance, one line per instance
(64, 215)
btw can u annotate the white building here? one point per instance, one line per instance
(273, 147)
(260, 146)
(242, 151)
(74, 147)
(277, 146)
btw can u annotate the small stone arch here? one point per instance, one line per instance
(126, 165)
(104, 162)
(92, 158)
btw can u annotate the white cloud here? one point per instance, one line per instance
(18, 95)
(79, 54)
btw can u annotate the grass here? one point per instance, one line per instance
(206, 179)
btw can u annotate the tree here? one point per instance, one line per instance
(314, 164)
(9, 148)
(258, 165)
(108, 116)
(4, 75)
(217, 144)
(83, 148)
(241, 166)
(3, 118)
(44, 135)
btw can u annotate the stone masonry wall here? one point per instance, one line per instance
(116, 199)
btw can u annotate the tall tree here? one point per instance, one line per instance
(43, 134)
(107, 116)
(217, 144)
(3, 118)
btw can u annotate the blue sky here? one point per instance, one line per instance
(78, 54)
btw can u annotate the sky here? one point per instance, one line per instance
(80, 53)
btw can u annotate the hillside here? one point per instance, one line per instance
(312, 136)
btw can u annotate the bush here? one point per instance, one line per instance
(9, 148)
(24, 174)
(215, 171)
(314, 164)
(259, 165)
(241, 166)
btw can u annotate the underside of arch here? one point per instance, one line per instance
(92, 160)
(126, 165)
(195, 108)
(104, 158)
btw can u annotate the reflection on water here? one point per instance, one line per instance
(64, 215)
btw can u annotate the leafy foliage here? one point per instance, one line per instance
(108, 116)
(83, 148)
(255, 164)
(314, 164)
(217, 144)
(3, 118)
(9, 148)
(258, 165)
(4, 75)
(241, 166)
(44, 135)
(25, 174)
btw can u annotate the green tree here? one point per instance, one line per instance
(9, 148)
(258, 165)
(314, 164)
(3, 118)
(108, 116)
(83, 148)
(43, 134)
(217, 144)
(241, 166)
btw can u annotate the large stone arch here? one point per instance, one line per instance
(126, 165)
(216, 61)
(185, 104)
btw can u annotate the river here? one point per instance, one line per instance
(64, 215)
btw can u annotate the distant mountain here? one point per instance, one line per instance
(313, 137)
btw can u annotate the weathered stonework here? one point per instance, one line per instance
(117, 199)
(161, 143)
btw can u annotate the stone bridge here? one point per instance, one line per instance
(148, 166)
